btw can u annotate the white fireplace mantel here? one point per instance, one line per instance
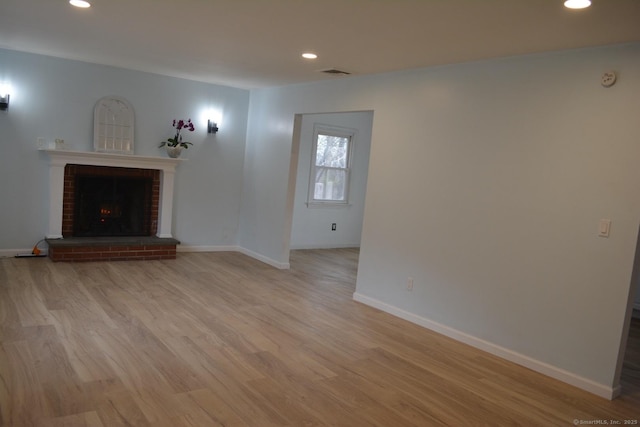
(60, 158)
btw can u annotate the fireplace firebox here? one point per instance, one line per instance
(110, 201)
(112, 206)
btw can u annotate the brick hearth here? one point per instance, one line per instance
(112, 248)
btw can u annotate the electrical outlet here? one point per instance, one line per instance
(410, 284)
(333, 227)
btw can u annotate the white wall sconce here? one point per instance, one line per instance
(212, 117)
(4, 102)
(4, 97)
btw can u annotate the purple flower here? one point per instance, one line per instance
(177, 139)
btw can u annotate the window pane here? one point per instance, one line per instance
(330, 184)
(332, 151)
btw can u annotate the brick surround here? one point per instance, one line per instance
(141, 248)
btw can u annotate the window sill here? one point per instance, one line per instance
(327, 205)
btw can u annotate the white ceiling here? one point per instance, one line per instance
(257, 43)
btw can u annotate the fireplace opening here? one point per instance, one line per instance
(112, 205)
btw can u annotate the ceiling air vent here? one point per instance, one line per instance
(335, 72)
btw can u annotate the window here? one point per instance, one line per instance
(330, 165)
(113, 123)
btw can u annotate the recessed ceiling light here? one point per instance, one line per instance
(577, 4)
(80, 3)
(309, 55)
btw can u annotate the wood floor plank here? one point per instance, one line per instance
(30, 305)
(205, 408)
(87, 361)
(130, 365)
(221, 339)
(120, 409)
(6, 388)
(375, 405)
(222, 379)
(87, 419)
(285, 402)
(27, 402)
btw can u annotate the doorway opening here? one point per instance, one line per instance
(328, 225)
(627, 375)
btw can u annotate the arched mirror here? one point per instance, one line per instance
(113, 125)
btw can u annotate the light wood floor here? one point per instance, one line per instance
(215, 339)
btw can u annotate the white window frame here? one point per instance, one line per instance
(323, 129)
(113, 125)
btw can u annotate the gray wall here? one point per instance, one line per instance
(486, 184)
(54, 98)
(311, 226)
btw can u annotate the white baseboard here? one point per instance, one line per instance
(10, 253)
(192, 248)
(266, 260)
(520, 359)
(252, 254)
(327, 246)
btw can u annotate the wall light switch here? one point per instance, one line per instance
(604, 227)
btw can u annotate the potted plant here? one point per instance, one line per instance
(176, 144)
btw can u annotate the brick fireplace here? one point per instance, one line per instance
(133, 223)
(76, 175)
